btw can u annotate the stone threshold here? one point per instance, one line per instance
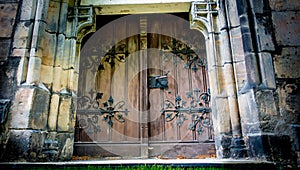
(242, 164)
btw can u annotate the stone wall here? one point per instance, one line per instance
(286, 57)
(268, 98)
(8, 66)
(37, 75)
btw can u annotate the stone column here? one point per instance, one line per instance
(226, 52)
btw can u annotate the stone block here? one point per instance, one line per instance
(222, 119)
(5, 47)
(267, 110)
(267, 70)
(42, 8)
(64, 80)
(225, 50)
(59, 60)
(36, 42)
(28, 9)
(34, 68)
(24, 145)
(7, 77)
(271, 147)
(287, 28)
(54, 105)
(30, 109)
(63, 18)
(65, 143)
(64, 121)
(217, 80)
(258, 6)
(22, 37)
(264, 36)
(47, 75)
(223, 142)
(234, 19)
(284, 5)
(56, 87)
(22, 70)
(7, 18)
(287, 64)
(252, 70)
(248, 112)
(240, 74)
(20, 52)
(289, 99)
(237, 44)
(48, 43)
(53, 16)
(69, 54)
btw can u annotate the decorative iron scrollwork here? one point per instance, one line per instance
(197, 109)
(90, 124)
(113, 111)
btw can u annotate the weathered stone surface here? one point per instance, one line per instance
(28, 9)
(287, 28)
(20, 52)
(221, 120)
(240, 74)
(7, 18)
(56, 87)
(30, 109)
(34, 68)
(237, 44)
(48, 43)
(5, 47)
(24, 145)
(64, 121)
(248, 107)
(287, 64)
(284, 5)
(234, 19)
(47, 75)
(66, 145)
(7, 73)
(22, 36)
(263, 35)
(63, 18)
(271, 148)
(59, 58)
(258, 6)
(223, 142)
(252, 70)
(54, 105)
(69, 55)
(267, 70)
(22, 70)
(289, 99)
(64, 81)
(53, 16)
(267, 110)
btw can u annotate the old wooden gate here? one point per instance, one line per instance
(145, 95)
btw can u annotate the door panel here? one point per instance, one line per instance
(130, 110)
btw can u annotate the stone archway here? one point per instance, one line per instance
(203, 18)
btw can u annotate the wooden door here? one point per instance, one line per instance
(150, 92)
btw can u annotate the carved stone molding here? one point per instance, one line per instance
(202, 13)
(83, 21)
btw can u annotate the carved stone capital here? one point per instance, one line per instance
(83, 21)
(202, 13)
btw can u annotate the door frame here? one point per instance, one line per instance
(204, 18)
